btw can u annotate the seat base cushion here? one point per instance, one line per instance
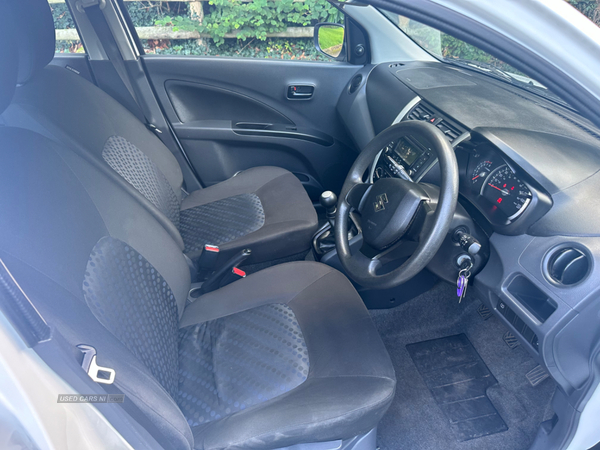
(350, 382)
(235, 362)
(265, 209)
(220, 222)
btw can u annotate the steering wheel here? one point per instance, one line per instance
(392, 210)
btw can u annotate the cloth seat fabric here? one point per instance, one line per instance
(331, 370)
(285, 356)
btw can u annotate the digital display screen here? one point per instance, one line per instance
(408, 152)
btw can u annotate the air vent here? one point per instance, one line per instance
(396, 65)
(355, 83)
(449, 130)
(420, 112)
(568, 266)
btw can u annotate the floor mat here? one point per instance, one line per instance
(415, 420)
(458, 380)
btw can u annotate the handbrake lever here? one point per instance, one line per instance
(215, 280)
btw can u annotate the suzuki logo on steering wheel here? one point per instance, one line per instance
(380, 202)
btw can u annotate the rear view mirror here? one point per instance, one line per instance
(329, 40)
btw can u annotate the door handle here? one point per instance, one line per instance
(300, 92)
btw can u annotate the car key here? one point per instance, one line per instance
(462, 282)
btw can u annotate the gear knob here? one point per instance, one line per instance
(328, 200)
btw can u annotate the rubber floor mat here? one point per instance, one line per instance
(458, 379)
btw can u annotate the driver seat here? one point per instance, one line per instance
(286, 356)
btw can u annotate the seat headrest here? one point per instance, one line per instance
(36, 39)
(9, 59)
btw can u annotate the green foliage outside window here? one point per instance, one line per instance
(279, 48)
(252, 20)
(145, 13)
(589, 8)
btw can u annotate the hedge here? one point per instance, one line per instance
(252, 20)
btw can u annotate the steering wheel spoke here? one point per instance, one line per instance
(376, 260)
(360, 262)
(357, 195)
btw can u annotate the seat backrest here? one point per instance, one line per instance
(94, 261)
(67, 108)
(97, 266)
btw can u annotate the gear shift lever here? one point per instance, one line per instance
(329, 201)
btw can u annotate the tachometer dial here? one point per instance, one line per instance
(507, 192)
(481, 172)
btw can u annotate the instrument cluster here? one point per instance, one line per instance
(495, 186)
(497, 183)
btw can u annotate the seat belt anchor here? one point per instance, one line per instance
(153, 127)
(93, 370)
(83, 4)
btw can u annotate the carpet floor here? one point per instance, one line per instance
(415, 420)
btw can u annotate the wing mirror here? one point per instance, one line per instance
(329, 40)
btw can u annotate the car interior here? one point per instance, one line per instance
(268, 254)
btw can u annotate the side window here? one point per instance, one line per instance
(279, 29)
(67, 38)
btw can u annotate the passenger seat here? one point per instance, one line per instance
(285, 358)
(265, 209)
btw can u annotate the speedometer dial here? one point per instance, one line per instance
(507, 192)
(481, 172)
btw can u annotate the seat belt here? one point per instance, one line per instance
(93, 9)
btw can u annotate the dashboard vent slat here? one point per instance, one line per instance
(449, 130)
(420, 112)
(568, 266)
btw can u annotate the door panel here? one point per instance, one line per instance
(195, 101)
(232, 114)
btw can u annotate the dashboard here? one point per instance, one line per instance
(494, 185)
(529, 177)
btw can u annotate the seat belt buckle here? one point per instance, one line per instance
(234, 275)
(94, 370)
(208, 257)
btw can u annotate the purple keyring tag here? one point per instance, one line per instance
(460, 286)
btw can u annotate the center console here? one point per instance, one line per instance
(409, 158)
(405, 158)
